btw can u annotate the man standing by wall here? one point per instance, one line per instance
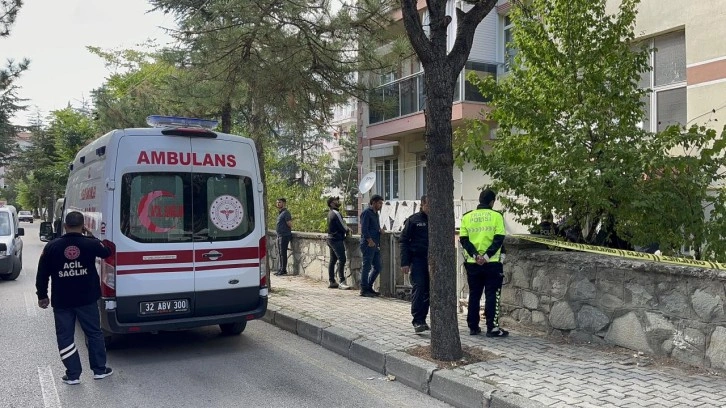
(370, 246)
(337, 231)
(482, 236)
(70, 263)
(414, 244)
(283, 227)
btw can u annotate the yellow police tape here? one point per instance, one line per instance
(622, 253)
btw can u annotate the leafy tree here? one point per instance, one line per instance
(569, 139)
(441, 69)
(679, 200)
(10, 103)
(140, 87)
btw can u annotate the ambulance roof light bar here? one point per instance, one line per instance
(159, 121)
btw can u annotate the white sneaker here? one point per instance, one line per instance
(104, 374)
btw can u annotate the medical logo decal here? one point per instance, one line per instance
(226, 212)
(72, 252)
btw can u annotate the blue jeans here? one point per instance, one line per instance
(371, 258)
(65, 325)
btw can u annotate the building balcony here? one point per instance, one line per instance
(397, 107)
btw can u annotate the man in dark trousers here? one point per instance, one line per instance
(370, 246)
(70, 263)
(414, 244)
(283, 227)
(482, 236)
(337, 231)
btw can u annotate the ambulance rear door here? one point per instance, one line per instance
(154, 227)
(227, 231)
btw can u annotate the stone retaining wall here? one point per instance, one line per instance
(655, 308)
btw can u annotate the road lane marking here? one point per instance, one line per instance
(47, 386)
(30, 305)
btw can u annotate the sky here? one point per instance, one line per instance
(54, 34)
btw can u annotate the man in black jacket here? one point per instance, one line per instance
(414, 244)
(70, 263)
(337, 231)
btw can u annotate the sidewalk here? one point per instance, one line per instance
(531, 371)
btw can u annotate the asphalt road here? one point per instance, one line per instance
(263, 367)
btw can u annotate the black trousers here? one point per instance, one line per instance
(283, 241)
(337, 256)
(485, 279)
(420, 293)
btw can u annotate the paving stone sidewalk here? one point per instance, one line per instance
(539, 368)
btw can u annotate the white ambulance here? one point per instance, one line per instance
(182, 207)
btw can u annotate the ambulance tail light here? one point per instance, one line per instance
(108, 271)
(263, 265)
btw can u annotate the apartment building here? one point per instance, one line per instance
(393, 144)
(688, 82)
(689, 61)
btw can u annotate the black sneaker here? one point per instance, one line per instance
(420, 327)
(71, 381)
(366, 293)
(426, 326)
(100, 376)
(497, 332)
(374, 293)
(475, 331)
(280, 273)
(333, 285)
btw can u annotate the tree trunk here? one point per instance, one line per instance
(445, 341)
(227, 117)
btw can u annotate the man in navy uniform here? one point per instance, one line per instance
(414, 244)
(70, 263)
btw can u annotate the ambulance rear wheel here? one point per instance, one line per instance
(233, 328)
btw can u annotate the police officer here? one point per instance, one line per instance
(414, 244)
(482, 236)
(70, 263)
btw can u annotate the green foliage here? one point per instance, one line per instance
(569, 140)
(10, 103)
(568, 114)
(305, 201)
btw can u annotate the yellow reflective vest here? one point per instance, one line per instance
(480, 226)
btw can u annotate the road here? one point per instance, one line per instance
(263, 367)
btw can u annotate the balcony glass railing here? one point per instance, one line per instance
(406, 95)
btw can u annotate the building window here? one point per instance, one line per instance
(387, 178)
(508, 44)
(666, 104)
(421, 175)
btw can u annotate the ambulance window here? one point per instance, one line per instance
(153, 207)
(185, 207)
(223, 207)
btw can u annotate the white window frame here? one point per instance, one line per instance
(652, 114)
(421, 175)
(388, 183)
(507, 63)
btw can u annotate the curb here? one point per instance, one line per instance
(449, 386)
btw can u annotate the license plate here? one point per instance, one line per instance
(164, 306)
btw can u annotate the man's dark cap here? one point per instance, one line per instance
(376, 198)
(74, 219)
(487, 196)
(331, 199)
(282, 199)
